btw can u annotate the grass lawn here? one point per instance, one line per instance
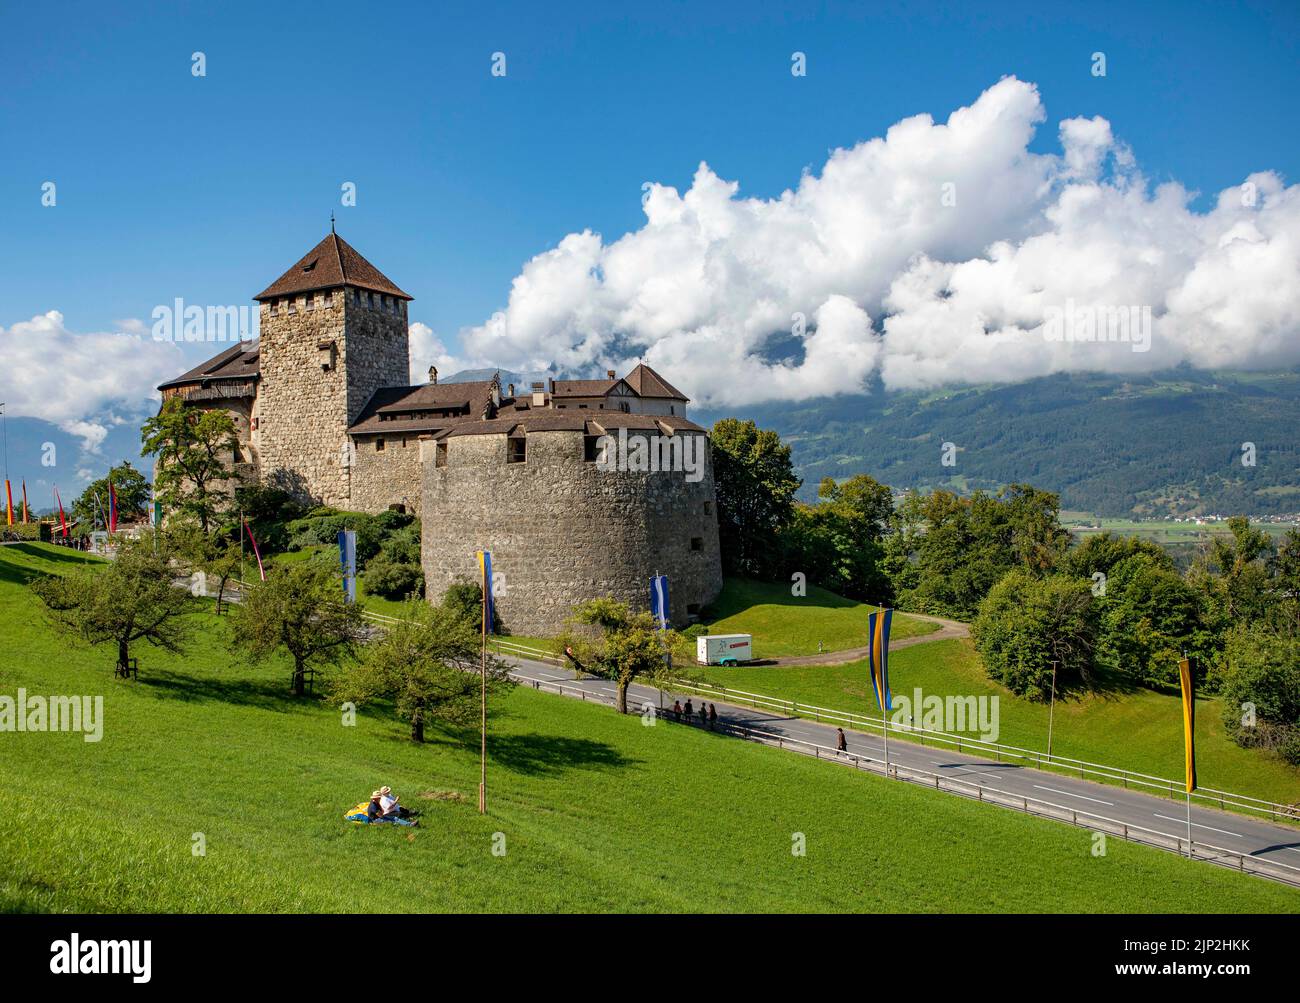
(783, 624)
(1133, 728)
(597, 811)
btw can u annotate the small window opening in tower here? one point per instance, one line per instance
(517, 450)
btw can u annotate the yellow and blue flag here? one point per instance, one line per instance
(1189, 721)
(485, 573)
(878, 656)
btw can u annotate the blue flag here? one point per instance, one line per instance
(348, 562)
(659, 600)
(485, 570)
(878, 656)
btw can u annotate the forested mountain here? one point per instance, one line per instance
(1150, 446)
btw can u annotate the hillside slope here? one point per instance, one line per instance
(1158, 445)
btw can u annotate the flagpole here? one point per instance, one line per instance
(1051, 713)
(482, 752)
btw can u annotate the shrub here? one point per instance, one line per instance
(393, 580)
(1262, 669)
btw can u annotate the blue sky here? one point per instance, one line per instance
(208, 188)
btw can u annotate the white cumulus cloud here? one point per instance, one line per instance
(935, 254)
(80, 381)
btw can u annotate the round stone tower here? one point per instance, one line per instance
(572, 508)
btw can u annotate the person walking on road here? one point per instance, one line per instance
(689, 711)
(841, 744)
(713, 716)
(704, 714)
(677, 710)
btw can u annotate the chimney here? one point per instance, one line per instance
(433, 374)
(610, 374)
(539, 395)
(510, 390)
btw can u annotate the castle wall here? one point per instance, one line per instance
(306, 408)
(387, 477)
(562, 530)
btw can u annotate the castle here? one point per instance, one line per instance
(323, 408)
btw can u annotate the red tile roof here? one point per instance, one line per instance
(647, 383)
(330, 264)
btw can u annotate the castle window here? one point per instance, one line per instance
(308, 302)
(329, 300)
(379, 445)
(291, 308)
(403, 442)
(440, 455)
(583, 406)
(693, 609)
(708, 508)
(517, 450)
(672, 408)
(697, 543)
(591, 448)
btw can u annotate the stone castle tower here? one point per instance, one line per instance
(333, 331)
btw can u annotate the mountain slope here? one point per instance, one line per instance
(1166, 444)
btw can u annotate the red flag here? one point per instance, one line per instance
(63, 520)
(249, 530)
(24, 502)
(9, 502)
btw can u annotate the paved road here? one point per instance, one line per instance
(1229, 831)
(947, 629)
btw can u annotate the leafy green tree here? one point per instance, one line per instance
(217, 555)
(1285, 569)
(1260, 687)
(1239, 565)
(1100, 552)
(299, 609)
(620, 645)
(1037, 538)
(196, 448)
(428, 664)
(1150, 617)
(132, 492)
(127, 600)
(755, 484)
(1025, 623)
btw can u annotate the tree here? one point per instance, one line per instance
(1260, 686)
(428, 664)
(623, 646)
(1026, 623)
(299, 608)
(755, 484)
(217, 556)
(1285, 568)
(1240, 565)
(196, 448)
(1150, 617)
(132, 492)
(130, 599)
(1100, 552)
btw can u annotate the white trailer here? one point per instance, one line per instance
(724, 649)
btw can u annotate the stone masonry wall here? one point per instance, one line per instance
(561, 530)
(387, 477)
(305, 410)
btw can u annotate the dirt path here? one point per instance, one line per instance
(948, 629)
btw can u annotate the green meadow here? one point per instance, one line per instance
(785, 625)
(588, 810)
(1118, 725)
